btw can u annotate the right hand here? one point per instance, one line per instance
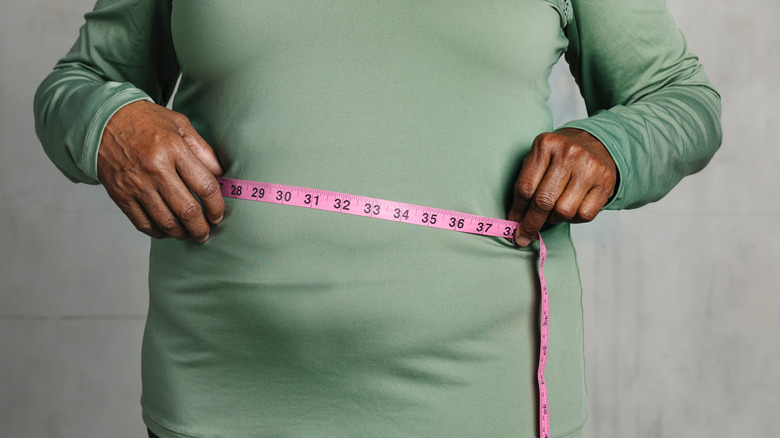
(149, 159)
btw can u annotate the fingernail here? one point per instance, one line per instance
(204, 239)
(219, 220)
(522, 241)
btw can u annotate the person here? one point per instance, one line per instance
(266, 320)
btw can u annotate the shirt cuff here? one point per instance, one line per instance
(121, 94)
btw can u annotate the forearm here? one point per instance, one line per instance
(658, 140)
(124, 53)
(72, 106)
(649, 100)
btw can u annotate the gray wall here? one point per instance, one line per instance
(681, 297)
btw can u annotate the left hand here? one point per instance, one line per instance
(568, 176)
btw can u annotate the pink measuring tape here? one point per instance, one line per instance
(407, 213)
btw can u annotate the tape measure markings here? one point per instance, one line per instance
(411, 214)
(544, 409)
(366, 207)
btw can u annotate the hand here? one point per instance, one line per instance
(568, 176)
(148, 161)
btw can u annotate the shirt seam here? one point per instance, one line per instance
(168, 429)
(571, 432)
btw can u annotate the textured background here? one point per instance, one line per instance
(681, 297)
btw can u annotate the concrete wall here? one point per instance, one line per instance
(681, 297)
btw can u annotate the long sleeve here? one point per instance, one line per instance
(647, 96)
(124, 53)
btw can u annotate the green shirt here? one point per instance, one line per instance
(293, 322)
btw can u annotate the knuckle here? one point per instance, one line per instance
(608, 176)
(572, 151)
(169, 225)
(548, 140)
(209, 187)
(595, 165)
(167, 139)
(563, 147)
(145, 227)
(545, 138)
(566, 213)
(189, 211)
(544, 201)
(180, 118)
(524, 190)
(158, 159)
(182, 124)
(587, 214)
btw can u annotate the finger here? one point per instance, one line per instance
(204, 185)
(141, 219)
(162, 216)
(185, 208)
(531, 174)
(202, 150)
(542, 204)
(591, 205)
(135, 213)
(568, 204)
